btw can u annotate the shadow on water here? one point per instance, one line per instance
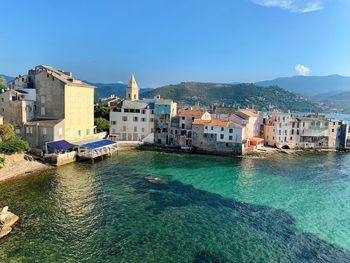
(268, 230)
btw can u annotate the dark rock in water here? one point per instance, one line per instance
(154, 180)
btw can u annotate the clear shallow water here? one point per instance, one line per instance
(207, 209)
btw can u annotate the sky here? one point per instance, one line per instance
(167, 41)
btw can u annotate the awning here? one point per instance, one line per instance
(60, 145)
(98, 144)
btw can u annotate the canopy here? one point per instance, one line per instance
(98, 144)
(62, 145)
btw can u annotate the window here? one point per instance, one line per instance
(87, 131)
(151, 119)
(113, 131)
(17, 131)
(125, 118)
(297, 132)
(79, 132)
(137, 111)
(60, 131)
(42, 99)
(183, 118)
(212, 128)
(211, 135)
(44, 131)
(192, 118)
(182, 126)
(292, 132)
(143, 130)
(124, 128)
(42, 110)
(2, 99)
(332, 130)
(222, 128)
(206, 127)
(230, 130)
(135, 129)
(291, 138)
(143, 119)
(143, 111)
(221, 136)
(136, 118)
(230, 137)
(114, 123)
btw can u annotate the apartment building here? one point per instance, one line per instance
(181, 126)
(132, 121)
(283, 130)
(63, 107)
(218, 136)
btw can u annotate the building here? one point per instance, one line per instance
(165, 110)
(181, 126)
(282, 130)
(345, 138)
(218, 136)
(63, 107)
(133, 120)
(1, 120)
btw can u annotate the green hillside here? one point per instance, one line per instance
(235, 95)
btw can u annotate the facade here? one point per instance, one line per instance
(181, 126)
(282, 130)
(218, 136)
(53, 105)
(164, 110)
(133, 121)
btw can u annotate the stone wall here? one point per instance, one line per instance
(208, 143)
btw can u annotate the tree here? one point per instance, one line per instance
(3, 84)
(102, 124)
(102, 111)
(6, 132)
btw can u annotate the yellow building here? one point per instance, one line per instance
(63, 106)
(79, 111)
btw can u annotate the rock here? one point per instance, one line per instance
(5, 209)
(8, 218)
(5, 231)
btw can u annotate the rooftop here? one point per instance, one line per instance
(137, 104)
(249, 113)
(190, 113)
(213, 122)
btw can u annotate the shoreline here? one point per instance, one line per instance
(16, 167)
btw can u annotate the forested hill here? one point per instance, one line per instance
(234, 95)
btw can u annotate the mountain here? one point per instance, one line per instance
(310, 85)
(339, 101)
(234, 95)
(8, 78)
(104, 90)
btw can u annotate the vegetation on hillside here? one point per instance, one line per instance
(235, 95)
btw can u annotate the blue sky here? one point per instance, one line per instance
(167, 41)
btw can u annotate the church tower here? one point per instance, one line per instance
(132, 91)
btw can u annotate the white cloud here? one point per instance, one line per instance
(302, 70)
(294, 6)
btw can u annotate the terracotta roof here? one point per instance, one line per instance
(249, 113)
(188, 113)
(256, 139)
(214, 122)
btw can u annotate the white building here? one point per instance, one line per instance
(134, 121)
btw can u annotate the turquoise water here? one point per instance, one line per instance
(205, 209)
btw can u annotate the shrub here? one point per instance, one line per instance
(14, 145)
(6, 132)
(102, 124)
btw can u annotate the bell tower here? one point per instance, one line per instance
(132, 91)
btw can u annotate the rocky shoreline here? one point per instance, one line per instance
(17, 165)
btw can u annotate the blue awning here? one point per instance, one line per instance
(60, 145)
(98, 144)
